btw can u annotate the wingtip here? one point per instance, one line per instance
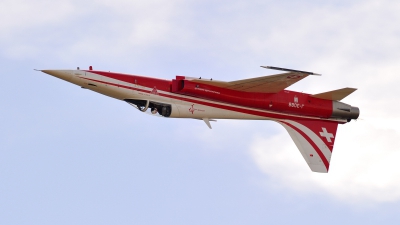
(290, 70)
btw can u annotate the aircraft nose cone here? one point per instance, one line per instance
(62, 74)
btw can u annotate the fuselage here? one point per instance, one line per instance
(184, 98)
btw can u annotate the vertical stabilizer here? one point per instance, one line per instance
(314, 139)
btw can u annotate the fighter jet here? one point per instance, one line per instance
(310, 119)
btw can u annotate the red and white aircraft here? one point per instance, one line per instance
(311, 120)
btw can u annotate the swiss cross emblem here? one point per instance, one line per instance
(326, 134)
(192, 109)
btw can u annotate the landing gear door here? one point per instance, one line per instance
(152, 108)
(141, 105)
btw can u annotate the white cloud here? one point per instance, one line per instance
(234, 32)
(90, 28)
(18, 15)
(355, 46)
(364, 166)
(131, 27)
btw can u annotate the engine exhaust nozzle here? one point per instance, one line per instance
(344, 111)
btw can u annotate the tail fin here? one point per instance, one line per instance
(336, 95)
(314, 139)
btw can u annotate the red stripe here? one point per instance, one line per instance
(305, 105)
(271, 115)
(319, 152)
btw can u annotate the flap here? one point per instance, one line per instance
(335, 95)
(266, 84)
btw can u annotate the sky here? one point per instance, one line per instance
(72, 156)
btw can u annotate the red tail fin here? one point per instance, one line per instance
(314, 139)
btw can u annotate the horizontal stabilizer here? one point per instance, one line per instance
(335, 95)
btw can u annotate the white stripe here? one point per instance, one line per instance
(314, 162)
(145, 88)
(316, 139)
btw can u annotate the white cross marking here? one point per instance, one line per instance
(326, 135)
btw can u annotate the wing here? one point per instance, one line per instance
(266, 84)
